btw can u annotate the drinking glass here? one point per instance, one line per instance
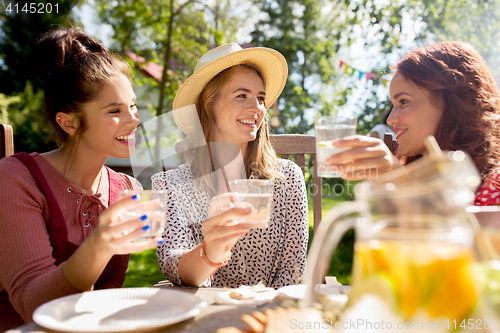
(152, 204)
(328, 129)
(256, 194)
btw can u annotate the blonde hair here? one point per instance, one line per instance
(260, 157)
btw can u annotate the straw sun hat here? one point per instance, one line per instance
(271, 64)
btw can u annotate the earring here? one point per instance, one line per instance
(58, 118)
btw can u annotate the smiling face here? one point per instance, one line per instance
(239, 109)
(111, 120)
(415, 115)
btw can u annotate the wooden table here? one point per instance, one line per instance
(211, 318)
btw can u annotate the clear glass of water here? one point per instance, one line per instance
(328, 129)
(152, 204)
(256, 194)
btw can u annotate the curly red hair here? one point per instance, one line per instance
(455, 73)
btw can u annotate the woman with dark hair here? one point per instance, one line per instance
(59, 229)
(447, 91)
(222, 108)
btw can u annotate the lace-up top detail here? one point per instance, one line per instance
(88, 211)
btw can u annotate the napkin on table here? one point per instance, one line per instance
(249, 296)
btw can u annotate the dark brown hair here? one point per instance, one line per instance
(73, 67)
(455, 73)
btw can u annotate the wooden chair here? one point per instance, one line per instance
(6, 140)
(392, 144)
(299, 145)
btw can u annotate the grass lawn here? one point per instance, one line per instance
(143, 268)
(341, 262)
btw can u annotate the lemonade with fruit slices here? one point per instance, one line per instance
(416, 279)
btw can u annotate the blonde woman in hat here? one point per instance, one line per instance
(224, 104)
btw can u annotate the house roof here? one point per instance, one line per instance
(150, 68)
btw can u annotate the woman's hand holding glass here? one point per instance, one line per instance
(220, 232)
(118, 236)
(112, 236)
(366, 158)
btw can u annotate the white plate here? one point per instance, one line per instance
(296, 291)
(113, 310)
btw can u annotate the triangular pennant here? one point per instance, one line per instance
(346, 69)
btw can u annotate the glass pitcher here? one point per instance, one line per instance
(413, 249)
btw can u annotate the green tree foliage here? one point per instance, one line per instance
(18, 83)
(168, 32)
(374, 111)
(406, 24)
(28, 121)
(18, 34)
(472, 21)
(308, 33)
(153, 30)
(222, 23)
(5, 101)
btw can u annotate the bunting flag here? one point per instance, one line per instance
(346, 69)
(349, 70)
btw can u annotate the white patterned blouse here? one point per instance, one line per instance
(275, 255)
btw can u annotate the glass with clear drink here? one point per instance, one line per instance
(256, 194)
(328, 129)
(152, 204)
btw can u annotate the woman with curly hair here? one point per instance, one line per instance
(444, 90)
